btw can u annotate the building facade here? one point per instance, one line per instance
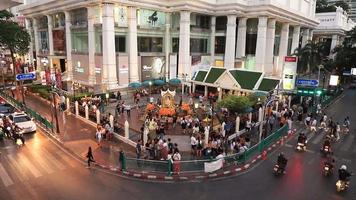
(332, 28)
(109, 44)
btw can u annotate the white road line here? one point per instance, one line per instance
(36, 173)
(318, 138)
(5, 177)
(348, 143)
(19, 169)
(43, 163)
(53, 160)
(67, 160)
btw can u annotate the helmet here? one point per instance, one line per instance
(281, 154)
(343, 167)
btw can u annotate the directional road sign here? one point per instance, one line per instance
(24, 77)
(308, 82)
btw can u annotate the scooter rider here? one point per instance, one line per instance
(302, 138)
(17, 134)
(282, 161)
(343, 173)
(330, 162)
(327, 143)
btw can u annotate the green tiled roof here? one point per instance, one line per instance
(200, 76)
(246, 79)
(268, 84)
(214, 74)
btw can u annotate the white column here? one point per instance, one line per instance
(334, 42)
(91, 45)
(261, 43)
(271, 34)
(109, 56)
(50, 34)
(229, 61)
(133, 53)
(241, 38)
(305, 37)
(167, 43)
(283, 47)
(37, 44)
(310, 36)
(69, 45)
(127, 128)
(212, 40)
(295, 40)
(184, 44)
(29, 28)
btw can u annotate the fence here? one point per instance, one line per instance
(191, 166)
(31, 113)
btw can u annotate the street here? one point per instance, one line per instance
(41, 170)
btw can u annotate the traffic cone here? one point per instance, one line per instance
(264, 155)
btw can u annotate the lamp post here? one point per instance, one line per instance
(55, 107)
(150, 84)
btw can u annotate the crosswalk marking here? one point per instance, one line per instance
(67, 160)
(18, 168)
(30, 166)
(348, 143)
(318, 138)
(53, 160)
(5, 177)
(43, 163)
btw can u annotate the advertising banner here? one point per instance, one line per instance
(199, 63)
(334, 80)
(213, 166)
(151, 18)
(152, 67)
(123, 66)
(59, 43)
(120, 15)
(289, 72)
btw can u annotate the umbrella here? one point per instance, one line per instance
(159, 82)
(248, 110)
(175, 81)
(135, 85)
(260, 94)
(147, 83)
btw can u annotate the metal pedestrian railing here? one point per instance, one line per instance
(30, 112)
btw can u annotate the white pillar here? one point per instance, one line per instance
(91, 44)
(29, 28)
(132, 38)
(277, 104)
(68, 104)
(145, 135)
(261, 114)
(289, 101)
(37, 44)
(271, 34)
(283, 47)
(237, 126)
(229, 61)
(68, 45)
(127, 126)
(86, 112)
(334, 42)
(167, 48)
(261, 43)
(220, 94)
(206, 134)
(295, 40)
(212, 40)
(109, 76)
(97, 116)
(184, 44)
(241, 38)
(305, 37)
(76, 108)
(50, 35)
(250, 117)
(206, 91)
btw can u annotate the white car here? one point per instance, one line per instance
(24, 122)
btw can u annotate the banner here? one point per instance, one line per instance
(199, 63)
(123, 62)
(213, 166)
(152, 67)
(289, 72)
(151, 18)
(59, 43)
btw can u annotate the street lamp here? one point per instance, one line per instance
(55, 106)
(107, 97)
(150, 84)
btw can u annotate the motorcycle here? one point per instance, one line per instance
(301, 146)
(342, 185)
(327, 169)
(326, 150)
(277, 170)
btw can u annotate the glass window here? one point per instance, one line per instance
(21, 119)
(202, 21)
(251, 40)
(120, 43)
(43, 40)
(220, 44)
(221, 22)
(80, 42)
(79, 17)
(58, 20)
(198, 45)
(150, 44)
(42, 23)
(175, 45)
(98, 42)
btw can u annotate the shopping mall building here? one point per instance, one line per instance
(107, 44)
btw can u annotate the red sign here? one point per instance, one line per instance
(290, 59)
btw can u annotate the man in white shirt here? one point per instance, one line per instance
(193, 143)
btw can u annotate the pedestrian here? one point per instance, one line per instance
(176, 161)
(90, 157)
(128, 110)
(313, 125)
(338, 129)
(138, 149)
(99, 134)
(122, 160)
(193, 143)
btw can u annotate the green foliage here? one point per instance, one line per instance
(237, 104)
(42, 90)
(325, 6)
(346, 53)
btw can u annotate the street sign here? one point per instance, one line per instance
(308, 82)
(24, 77)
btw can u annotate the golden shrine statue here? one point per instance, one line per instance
(168, 98)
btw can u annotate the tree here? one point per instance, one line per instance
(236, 104)
(345, 6)
(346, 52)
(13, 36)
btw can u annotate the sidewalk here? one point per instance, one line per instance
(77, 135)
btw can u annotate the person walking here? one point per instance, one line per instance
(138, 149)
(122, 160)
(176, 161)
(99, 135)
(90, 157)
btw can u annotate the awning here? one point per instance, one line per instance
(200, 76)
(246, 79)
(268, 84)
(214, 74)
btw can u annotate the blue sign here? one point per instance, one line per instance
(24, 77)
(308, 82)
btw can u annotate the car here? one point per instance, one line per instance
(23, 121)
(353, 84)
(6, 109)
